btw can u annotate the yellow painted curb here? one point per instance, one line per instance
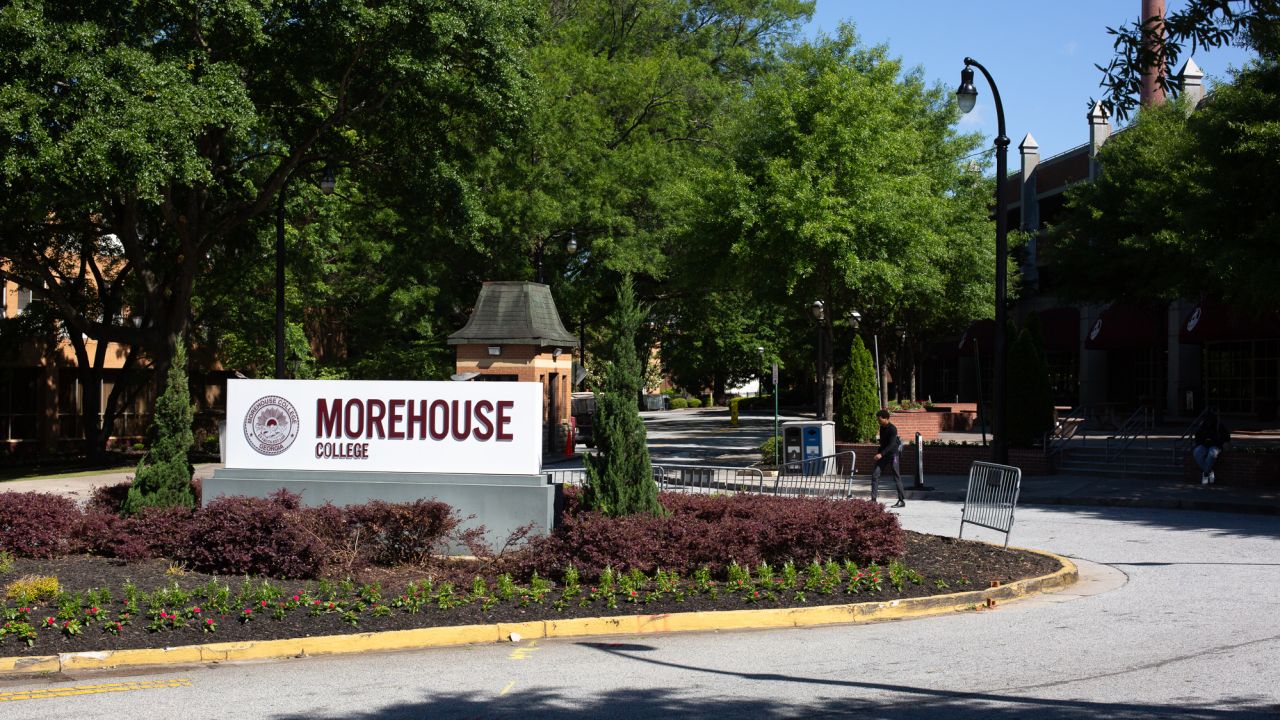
(569, 627)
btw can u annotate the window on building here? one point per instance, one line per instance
(24, 299)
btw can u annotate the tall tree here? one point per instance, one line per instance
(141, 141)
(620, 478)
(1184, 205)
(848, 187)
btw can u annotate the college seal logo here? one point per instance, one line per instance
(271, 425)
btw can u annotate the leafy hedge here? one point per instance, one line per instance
(714, 531)
(273, 536)
(278, 537)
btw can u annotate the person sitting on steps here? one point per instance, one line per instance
(887, 457)
(1210, 439)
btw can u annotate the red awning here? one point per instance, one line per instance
(982, 331)
(1127, 327)
(1213, 322)
(1061, 329)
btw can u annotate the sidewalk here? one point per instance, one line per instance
(1102, 491)
(81, 487)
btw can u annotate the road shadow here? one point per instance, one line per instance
(902, 703)
(1217, 524)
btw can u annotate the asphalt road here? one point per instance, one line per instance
(1179, 620)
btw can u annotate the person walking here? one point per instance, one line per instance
(887, 457)
(1210, 439)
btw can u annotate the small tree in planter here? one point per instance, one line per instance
(858, 399)
(620, 478)
(163, 478)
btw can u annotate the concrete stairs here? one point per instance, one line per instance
(1156, 462)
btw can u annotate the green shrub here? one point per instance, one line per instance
(708, 401)
(620, 477)
(859, 400)
(733, 411)
(6, 561)
(164, 475)
(679, 403)
(768, 450)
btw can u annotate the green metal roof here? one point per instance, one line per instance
(514, 313)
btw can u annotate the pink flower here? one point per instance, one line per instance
(208, 621)
(263, 603)
(196, 610)
(296, 598)
(248, 611)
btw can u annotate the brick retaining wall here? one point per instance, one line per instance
(929, 424)
(950, 459)
(1238, 470)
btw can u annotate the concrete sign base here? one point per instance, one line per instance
(501, 503)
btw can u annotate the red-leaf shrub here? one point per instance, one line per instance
(37, 525)
(715, 530)
(152, 533)
(395, 533)
(257, 536)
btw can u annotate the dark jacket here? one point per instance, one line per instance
(889, 443)
(1213, 434)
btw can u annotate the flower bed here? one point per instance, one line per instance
(708, 553)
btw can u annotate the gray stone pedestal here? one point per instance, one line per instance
(501, 503)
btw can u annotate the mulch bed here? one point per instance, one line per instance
(945, 564)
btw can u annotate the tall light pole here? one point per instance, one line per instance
(967, 96)
(819, 315)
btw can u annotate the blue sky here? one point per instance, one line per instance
(1040, 53)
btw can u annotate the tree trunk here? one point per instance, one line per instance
(828, 379)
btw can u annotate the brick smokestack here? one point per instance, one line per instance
(1153, 35)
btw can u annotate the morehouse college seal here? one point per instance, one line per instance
(271, 425)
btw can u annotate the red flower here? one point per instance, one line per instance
(248, 611)
(263, 603)
(208, 621)
(195, 610)
(755, 594)
(296, 598)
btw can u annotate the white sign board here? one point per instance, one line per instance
(385, 426)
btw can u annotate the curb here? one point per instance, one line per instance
(423, 638)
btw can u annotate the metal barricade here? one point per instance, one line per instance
(708, 479)
(826, 476)
(991, 498)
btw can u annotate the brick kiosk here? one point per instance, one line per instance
(515, 335)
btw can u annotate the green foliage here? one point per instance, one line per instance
(679, 403)
(1184, 205)
(163, 478)
(733, 411)
(1205, 24)
(620, 478)
(859, 399)
(769, 451)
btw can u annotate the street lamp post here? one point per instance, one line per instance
(819, 315)
(967, 96)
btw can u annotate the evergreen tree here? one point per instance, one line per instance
(163, 478)
(619, 478)
(858, 399)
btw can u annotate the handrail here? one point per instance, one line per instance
(1141, 419)
(1065, 429)
(1187, 439)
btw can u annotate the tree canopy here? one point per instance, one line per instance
(1184, 205)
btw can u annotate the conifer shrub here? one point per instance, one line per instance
(163, 478)
(859, 399)
(620, 478)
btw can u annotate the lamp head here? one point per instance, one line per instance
(967, 94)
(328, 182)
(571, 246)
(816, 309)
(855, 318)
